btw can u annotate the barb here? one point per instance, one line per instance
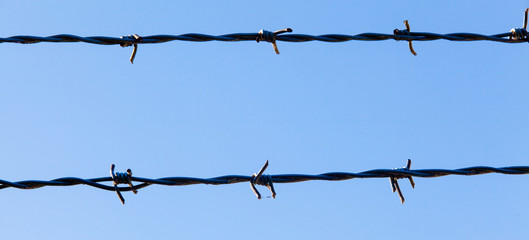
(265, 180)
(406, 32)
(395, 183)
(270, 37)
(520, 33)
(281, 178)
(118, 178)
(136, 38)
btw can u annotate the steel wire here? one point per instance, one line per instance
(280, 178)
(516, 35)
(236, 37)
(259, 178)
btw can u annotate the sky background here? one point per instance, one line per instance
(218, 108)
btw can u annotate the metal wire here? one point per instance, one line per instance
(516, 35)
(281, 178)
(236, 37)
(266, 180)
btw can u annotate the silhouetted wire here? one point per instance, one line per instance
(281, 178)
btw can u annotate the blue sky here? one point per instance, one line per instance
(215, 108)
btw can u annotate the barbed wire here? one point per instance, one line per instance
(260, 178)
(516, 35)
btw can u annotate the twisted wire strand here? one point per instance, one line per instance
(281, 178)
(236, 37)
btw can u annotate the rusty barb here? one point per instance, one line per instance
(520, 33)
(270, 37)
(406, 32)
(135, 38)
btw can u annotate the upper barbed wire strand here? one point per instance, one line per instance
(236, 37)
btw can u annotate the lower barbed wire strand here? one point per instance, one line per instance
(280, 178)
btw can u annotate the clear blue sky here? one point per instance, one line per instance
(216, 108)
